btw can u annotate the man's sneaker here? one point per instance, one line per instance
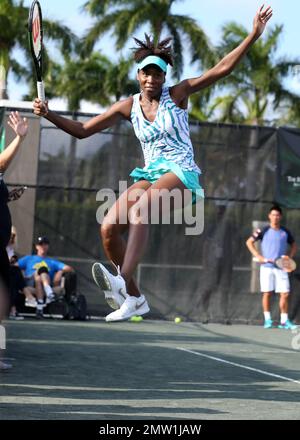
(4, 366)
(288, 325)
(50, 298)
(132, 306)
(113, 286)
(31, 302)
(268, 323)
(39, 314)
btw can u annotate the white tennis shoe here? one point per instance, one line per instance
(113, 286)
(132, 306)
(32, 302)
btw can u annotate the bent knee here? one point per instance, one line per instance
(108, 229)
(138, 214)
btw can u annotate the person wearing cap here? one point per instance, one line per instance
(42, 273)
(159, 115)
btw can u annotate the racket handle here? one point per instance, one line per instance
(41, 91)
(257, 260)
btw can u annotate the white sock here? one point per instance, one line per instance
(40, 304)
(283, 318)
(48, 290)
(267, 315)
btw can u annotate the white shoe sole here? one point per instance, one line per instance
(32, 305)
(103, 282)
(115, 317)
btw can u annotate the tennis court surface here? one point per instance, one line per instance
(151, 370)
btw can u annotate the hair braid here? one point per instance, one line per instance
(147, 47)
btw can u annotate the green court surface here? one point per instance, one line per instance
(151, 370)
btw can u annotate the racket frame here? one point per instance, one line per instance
(278, 263)
(37, 59)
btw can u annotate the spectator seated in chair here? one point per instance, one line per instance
(43, 275)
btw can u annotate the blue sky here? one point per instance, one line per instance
(210, 14)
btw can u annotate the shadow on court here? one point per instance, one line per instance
(95, 370)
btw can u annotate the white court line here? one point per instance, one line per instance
(256, 370)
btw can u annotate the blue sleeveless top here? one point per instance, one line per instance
(168, 136)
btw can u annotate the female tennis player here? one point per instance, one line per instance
(160, 120)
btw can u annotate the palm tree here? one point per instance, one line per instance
(79, 78)
(126, 17)
(291, 114)
(257, 83)
(95, 79)
(201, 105)
(117, 82)
(13, 34)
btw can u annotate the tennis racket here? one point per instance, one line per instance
(16, 193)
(285, 263)
(35, 33)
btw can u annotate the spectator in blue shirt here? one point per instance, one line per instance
(276, 241)
(43, 273)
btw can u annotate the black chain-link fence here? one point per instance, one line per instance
(209, 277)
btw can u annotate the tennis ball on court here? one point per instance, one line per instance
(177, 320)
(136, 319)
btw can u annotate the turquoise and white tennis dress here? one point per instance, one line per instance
(166, 144)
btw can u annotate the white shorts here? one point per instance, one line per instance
(273, 279)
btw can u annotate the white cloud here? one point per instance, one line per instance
(294, 84)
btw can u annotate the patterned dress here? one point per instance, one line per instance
(166, 143)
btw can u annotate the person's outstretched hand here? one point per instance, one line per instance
(40, 108)
(18, 124)
(261, 19)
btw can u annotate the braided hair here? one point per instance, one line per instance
(145, 48)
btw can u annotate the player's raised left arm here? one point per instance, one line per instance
(182, 90)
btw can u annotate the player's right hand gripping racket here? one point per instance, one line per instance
(35, 32)
(287, 264)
